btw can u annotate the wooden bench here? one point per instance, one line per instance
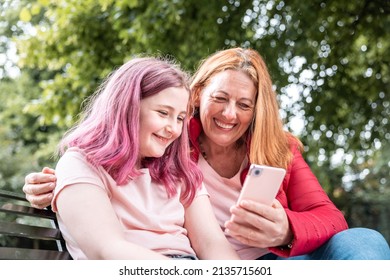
(27, 233)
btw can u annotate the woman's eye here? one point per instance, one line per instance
(245, 106)
(220, 99)
(180, 118)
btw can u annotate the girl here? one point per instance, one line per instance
(126, 187)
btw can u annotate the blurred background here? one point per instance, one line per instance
(329, 61)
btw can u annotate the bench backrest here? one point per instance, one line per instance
(27, 233)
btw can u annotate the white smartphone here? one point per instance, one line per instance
(262, 183)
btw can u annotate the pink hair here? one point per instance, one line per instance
(108, 131)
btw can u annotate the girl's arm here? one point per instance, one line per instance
(94, 225)
(206, 236)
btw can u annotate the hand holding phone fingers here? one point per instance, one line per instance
(256, 237)
(273, 213)
(247, 227)
(259, 225)
(252, 213)
(246, 234)
(257, 208)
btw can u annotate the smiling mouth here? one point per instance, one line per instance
(162, 139)
(224, 125)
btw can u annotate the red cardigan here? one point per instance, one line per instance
(313, 217)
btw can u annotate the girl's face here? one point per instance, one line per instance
(161, 120)
(226, 107)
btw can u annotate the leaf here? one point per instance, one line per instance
(25, 15)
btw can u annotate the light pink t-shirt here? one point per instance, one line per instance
(149, 218)
(224, 193)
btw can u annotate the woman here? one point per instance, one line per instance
(236, 122)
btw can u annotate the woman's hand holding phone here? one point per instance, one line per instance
(258, 219)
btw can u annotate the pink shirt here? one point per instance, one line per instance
(224, 193)
(149, 218)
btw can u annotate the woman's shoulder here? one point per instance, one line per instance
(295, 144)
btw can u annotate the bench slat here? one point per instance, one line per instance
(41, 241)
(26, 210)
(12, 195)
(29, 231)
(10, 253)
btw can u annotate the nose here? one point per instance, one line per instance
(230, 112)
(173, 129)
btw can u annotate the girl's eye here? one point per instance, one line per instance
(180, 118)
(164, 113)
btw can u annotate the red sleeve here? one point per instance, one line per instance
(313, 218)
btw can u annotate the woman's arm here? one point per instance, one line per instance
(313, 217)
(94, 226)
(206, 236)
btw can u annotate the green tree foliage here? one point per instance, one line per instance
(346, 102)
(22, 139)
(81, 41)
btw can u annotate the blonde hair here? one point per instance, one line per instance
(270, 143)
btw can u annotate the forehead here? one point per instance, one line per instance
(174, 97)
(233, 82)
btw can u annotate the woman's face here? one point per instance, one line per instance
(226, 106)
(161, 120)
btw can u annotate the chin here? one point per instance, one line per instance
(158, 154)
(224, 141)
(155, 154)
